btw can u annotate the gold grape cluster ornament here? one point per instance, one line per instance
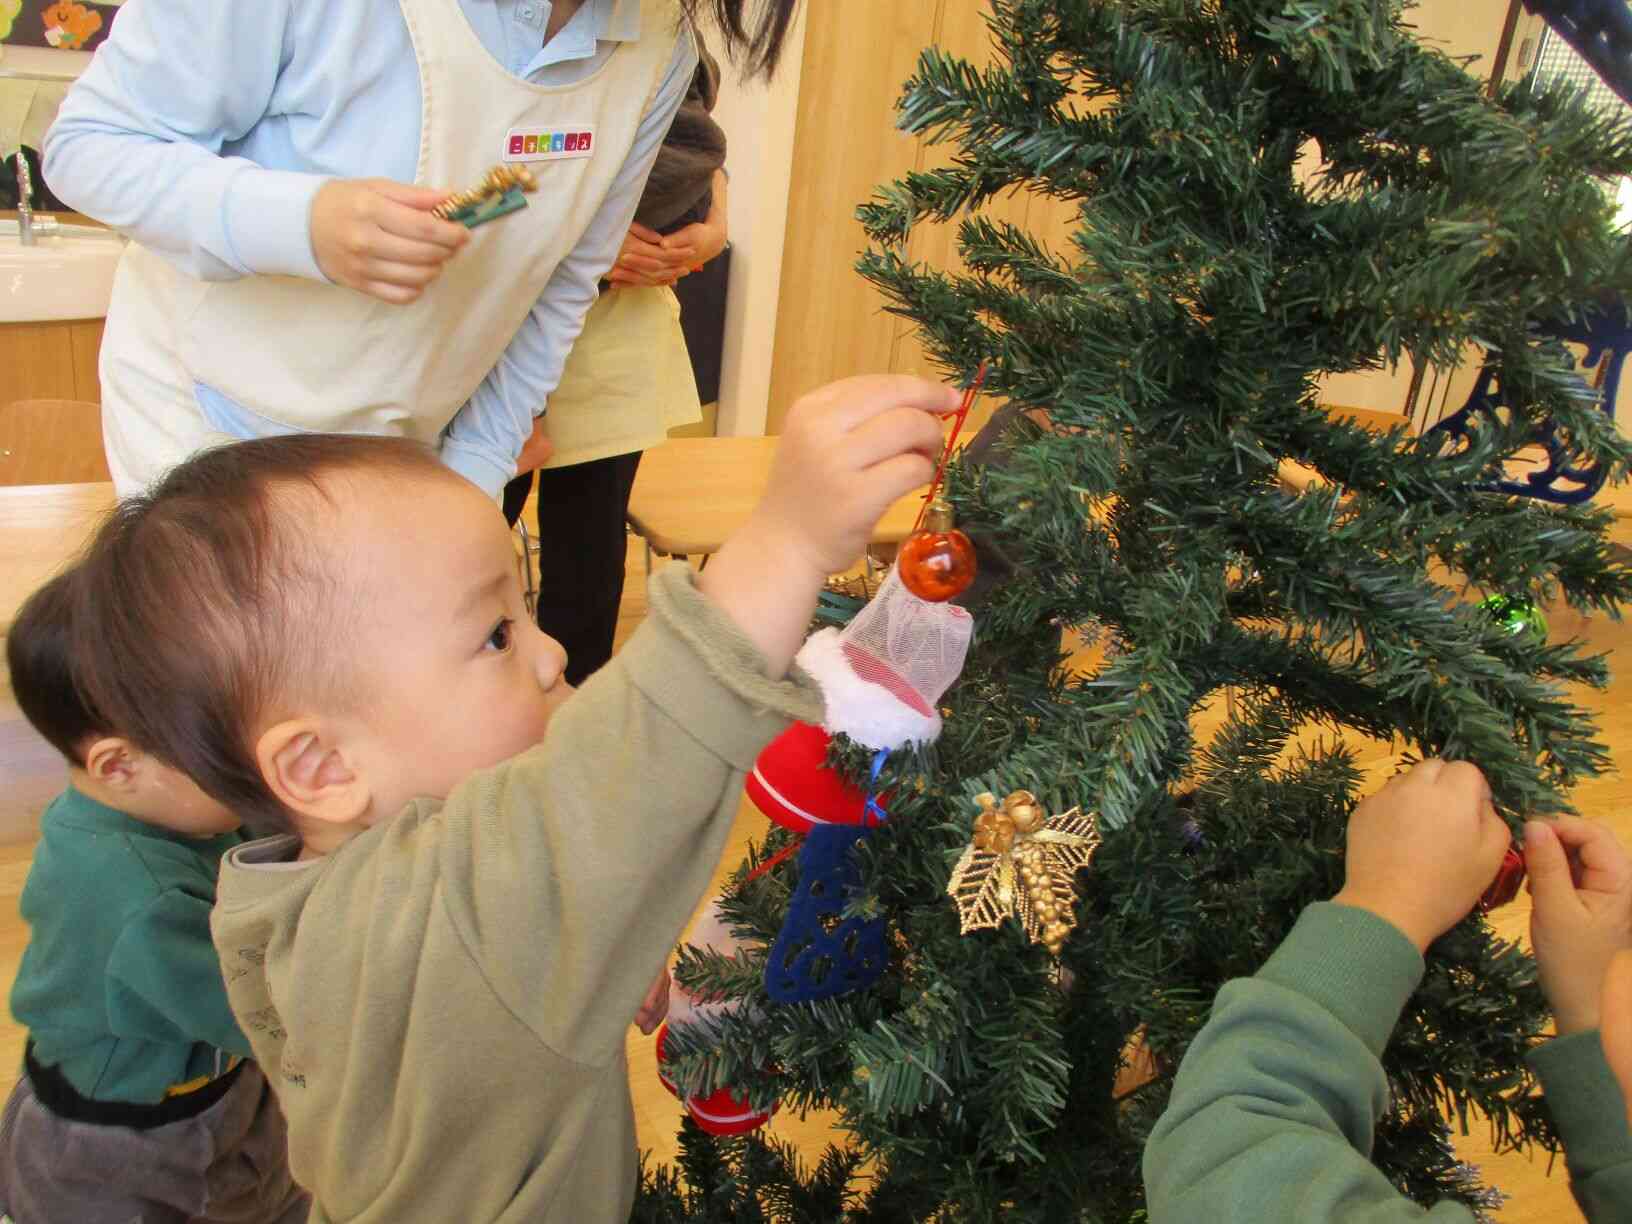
(1022, 863)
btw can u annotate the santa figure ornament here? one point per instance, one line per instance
(722, 1112)
(881, 677)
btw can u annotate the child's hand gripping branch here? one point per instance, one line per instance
(1422, 850)
(1273, 1110)
(850, 450)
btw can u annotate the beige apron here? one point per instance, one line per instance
(305, 355)
(627, 380)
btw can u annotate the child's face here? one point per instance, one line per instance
(453, 675)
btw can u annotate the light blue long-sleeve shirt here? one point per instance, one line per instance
(204, 128)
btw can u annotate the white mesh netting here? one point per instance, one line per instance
(910, 648)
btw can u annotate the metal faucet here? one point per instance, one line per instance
(25, 201)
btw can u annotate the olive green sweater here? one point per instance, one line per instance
(442, 1003)
(1272, 1113)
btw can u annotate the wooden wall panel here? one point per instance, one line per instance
(50, 360)
(85, 342)
(829, 321)
(856, 58)
(36, 361)
(963, 32)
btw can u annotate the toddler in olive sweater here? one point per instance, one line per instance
(480, 871)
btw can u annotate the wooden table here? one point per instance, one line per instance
(692, 493)
(41, 528)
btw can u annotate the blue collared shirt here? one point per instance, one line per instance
(190, 136)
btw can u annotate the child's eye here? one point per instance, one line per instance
(500, 638)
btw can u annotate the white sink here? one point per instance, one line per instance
(66, 274)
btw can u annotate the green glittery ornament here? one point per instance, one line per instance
(1517, 614)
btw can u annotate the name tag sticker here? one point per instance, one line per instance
(549, 144)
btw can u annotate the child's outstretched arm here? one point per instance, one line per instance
(1581, 880)
(849, 450)
(1273, 1110)
(599, 842)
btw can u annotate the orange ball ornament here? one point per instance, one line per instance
(937, 561)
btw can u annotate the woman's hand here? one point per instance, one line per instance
(654, 1008)
(536, 451)
(703, 239)
(645, 259)
(649, 258)
(380, 238)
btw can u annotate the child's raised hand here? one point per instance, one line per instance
(848, 451)
(1423, 849)
(379, 237)
(1581, 881)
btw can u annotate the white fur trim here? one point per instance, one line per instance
(868, 713)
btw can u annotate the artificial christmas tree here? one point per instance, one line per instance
(1269, 190)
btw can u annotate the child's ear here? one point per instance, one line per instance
(113, 762)
(309, 774)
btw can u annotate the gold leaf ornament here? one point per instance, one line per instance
(1022, 863)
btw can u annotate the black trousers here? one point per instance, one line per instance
(581, 550)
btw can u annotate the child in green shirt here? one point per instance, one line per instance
(136, 1102)
(1272, 1112)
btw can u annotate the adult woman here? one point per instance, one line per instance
(268, 290)
(627, 381)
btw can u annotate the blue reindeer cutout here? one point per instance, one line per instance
(1564, 480)
(819, 953)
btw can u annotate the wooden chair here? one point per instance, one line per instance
(51, 441)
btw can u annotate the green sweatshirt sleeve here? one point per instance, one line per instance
(1273, 1110)
(569, 871)
(1590, 1115)
(164, 979)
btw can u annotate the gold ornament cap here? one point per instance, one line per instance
(938, 517)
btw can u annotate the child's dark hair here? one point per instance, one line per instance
(41, 652)
(203, 601)
(754, 40)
